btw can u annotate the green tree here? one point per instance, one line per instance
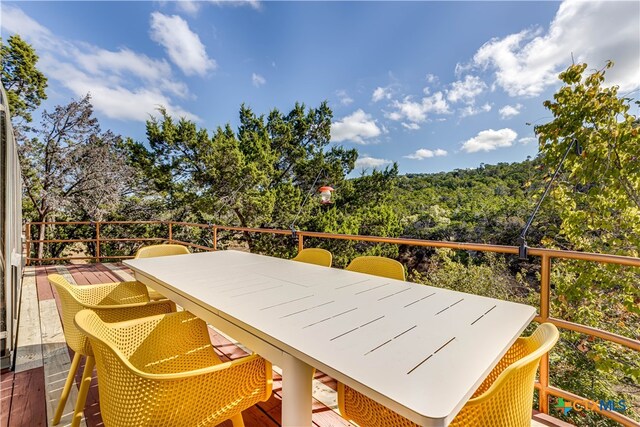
(597, 198)
(257, 176)
(600, 192)
(70, 168)
(24, 83)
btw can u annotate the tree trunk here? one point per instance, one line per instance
(243, 223)
(41, 236)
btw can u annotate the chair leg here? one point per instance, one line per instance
(237, 421)
(84, 390)
(66, 389)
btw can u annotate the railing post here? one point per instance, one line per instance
(28, 242)
(215, 238)
(545, 286)
(300, 242)
(98, 241)
(170, 231)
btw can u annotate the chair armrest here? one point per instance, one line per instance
(113, 293)
(123, 312)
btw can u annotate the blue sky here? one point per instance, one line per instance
(433, 86)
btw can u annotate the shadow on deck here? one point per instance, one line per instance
(29, 394)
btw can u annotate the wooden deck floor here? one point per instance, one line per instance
(29, 395)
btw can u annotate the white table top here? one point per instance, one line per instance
(419, 349)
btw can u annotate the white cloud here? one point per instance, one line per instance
(258, 80)
(381, 93)
(367, 162)
(183, 46)
(114, 100)
(527, 140)
(14, 20)
(116, 66)
(472, 110)
(189, 7)
(411, 126)
(431, 78)
(345, 99)
(509, 111)
(424, 153)
(123, 84)
(356, 127)
(417, 112)
(466, 90)
(253, 4)
(528, 62)
(489, 140)
(192, 7)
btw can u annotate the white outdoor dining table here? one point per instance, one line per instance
(419, 350)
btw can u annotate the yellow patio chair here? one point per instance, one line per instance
(163, 371)
(378, 266)
(504, 399)
(158, 251)
(161, 250)
(112, 302)
(315, 256)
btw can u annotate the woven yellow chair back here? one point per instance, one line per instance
(378, 266)
(75, 298)
(161, 250)
(163, 371)
(510, 381)
(315, 256)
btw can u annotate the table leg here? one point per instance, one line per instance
(297, 379)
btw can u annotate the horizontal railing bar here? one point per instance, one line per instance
(60, 258)
(60, 223)
(95, 222)
(190, 224)
(101, 257)
(255, 230)
(123, 239)
(134, 239)
(61, 240)
(157, 222)
(631, 343)
(605, 335)
(587, 256)
(414, 242)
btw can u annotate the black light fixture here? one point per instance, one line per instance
(522, 239)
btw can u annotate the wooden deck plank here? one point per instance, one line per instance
(29, 345)
(28, 404)
(107, 273)
(78, 276)
(6, 393)
(56, 360)
(43, 285)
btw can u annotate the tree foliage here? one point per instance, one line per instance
(70, 168)
(599, 195)
(24, 83)
(598, 202)
(263, 175)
